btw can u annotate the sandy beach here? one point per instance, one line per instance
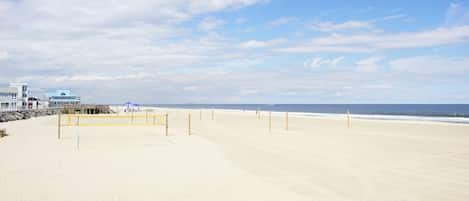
(235, 157)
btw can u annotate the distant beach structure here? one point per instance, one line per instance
(8, 99)
(16, 96)
(131, 107)
(62, 97)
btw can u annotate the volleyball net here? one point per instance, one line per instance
(110, 120)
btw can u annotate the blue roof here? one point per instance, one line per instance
(61, 92)
(130, 104)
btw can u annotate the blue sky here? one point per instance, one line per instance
(239, 51)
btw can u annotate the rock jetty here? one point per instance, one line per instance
(6, 116)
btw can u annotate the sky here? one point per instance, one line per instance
(239, 51)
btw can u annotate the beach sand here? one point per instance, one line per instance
(235, 157)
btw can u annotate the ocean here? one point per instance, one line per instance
(456, 113)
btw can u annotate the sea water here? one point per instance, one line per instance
(457, 113)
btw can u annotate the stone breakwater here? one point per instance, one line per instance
(69, 109)
(6, 116)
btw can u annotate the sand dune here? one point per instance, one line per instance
(235, 157)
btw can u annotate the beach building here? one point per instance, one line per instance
(61, 98)
(22, 94)
(8, 99)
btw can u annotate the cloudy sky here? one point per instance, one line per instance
(239, 51)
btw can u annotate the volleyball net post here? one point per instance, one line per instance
(166, 124)
(348, 118)
(59, 126)
(270, 121)
(189, 124)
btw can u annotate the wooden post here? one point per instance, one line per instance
(166, 125)
(270, 121)
(58, 125)
(348, 119)
(189, 121)
(286, 121)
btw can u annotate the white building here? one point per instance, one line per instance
(22, 94)
(8, 99)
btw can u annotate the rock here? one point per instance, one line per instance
(6, 116)
(2, 117)
(27, 115)
(18, 115)
(10, 116)
(3, 133)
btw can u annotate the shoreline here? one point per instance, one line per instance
(400, 118)
(418, 110)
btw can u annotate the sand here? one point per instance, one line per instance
(235, 157)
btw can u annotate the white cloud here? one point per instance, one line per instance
(457, 14)
(3, 55)
(368, 64)
(337, 61)
(322, 62)
(196, 6)
(431, 65)
(148, 51)
(4, 6)
(86, 77)
(103, 35)
(378, 86)
(334, 27)
(313, 63)
(138, 76)
(190, 88)
(353, 25)
(248, 92)
(262, 44)
(79, 44)
(374, 42)
(281, 21)
(210, 23)
(390, 17)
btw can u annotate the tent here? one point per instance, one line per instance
(131, 107)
